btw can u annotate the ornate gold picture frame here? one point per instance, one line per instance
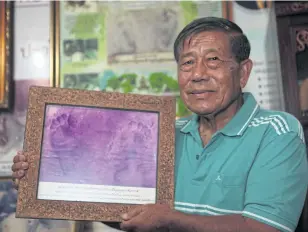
(5, 54)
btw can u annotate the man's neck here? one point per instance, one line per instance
(210, 124)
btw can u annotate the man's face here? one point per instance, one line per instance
(209, 76)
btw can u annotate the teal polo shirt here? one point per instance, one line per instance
(255, 166)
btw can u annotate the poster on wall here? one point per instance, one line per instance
(260, 28)
(124, 46)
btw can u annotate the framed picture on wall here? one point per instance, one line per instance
(5, 54)
(98, 44)
(95, 155)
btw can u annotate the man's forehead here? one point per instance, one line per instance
(208, 36)
(213, 38)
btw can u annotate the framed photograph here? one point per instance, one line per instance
(8, 222)
(5, 54)
(94, 155)
(100, 42)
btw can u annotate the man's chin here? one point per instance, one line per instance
(202, 111)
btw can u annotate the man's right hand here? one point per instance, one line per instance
(19, 168)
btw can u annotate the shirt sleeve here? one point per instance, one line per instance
(277, 183)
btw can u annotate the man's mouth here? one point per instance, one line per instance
(201, 91)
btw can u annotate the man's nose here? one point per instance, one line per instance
(200, 72)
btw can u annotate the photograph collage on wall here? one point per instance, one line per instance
(101, 47)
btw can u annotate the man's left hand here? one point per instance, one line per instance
(145, 218)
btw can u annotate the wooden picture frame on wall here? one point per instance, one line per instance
(5, 54)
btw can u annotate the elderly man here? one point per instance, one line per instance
(238, 167)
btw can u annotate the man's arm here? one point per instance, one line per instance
(275, 194)
(181, 222)
(159, 217)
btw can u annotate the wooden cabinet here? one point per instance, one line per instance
(292, 28)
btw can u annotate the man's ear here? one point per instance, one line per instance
(245, 70)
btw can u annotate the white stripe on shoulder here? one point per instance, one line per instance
(267, 220)
(301, 132)
(273, 124)
(283, 120)
(276, 121)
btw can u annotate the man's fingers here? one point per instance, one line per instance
(16, 157)
(16, 166)
(16, 176)
(19, 174)
(125, 226)
(20, 166)
(129, 225)
(19, 157)
(133, 213)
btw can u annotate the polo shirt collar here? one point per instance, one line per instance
(238, 123)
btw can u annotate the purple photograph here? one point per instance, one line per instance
(99, 146)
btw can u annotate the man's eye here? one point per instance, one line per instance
(189, 62)
(213, 58)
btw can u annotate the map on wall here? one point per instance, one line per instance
(125, 46)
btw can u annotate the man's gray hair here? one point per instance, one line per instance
(240, 46)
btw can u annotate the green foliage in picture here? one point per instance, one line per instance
(155, 83)
(128, 82)
(85, 25)
(114, 83)
(162, 83)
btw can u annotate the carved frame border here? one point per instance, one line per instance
(6, 12)
(291, 8)
(301, 44)
(28, 206)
